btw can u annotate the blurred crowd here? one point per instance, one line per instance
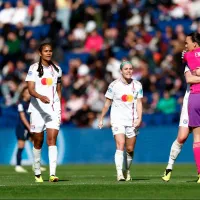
(90, 39)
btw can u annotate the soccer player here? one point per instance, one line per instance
(23, 128)
(44, 85)
(124, 95)
(184, 130)
(193, 43)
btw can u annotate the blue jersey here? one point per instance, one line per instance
(22, 132)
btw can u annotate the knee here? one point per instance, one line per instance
(181, 139)
(38, 143)
(129, 149)
(120, 145)
(51, 142)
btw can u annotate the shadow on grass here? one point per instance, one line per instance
(193, 181)
(140, 179)
(60, 180)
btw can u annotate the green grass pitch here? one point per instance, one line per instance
(99, 182)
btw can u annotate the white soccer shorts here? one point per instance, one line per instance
(41, 121)
(184, 114)
(128, 131)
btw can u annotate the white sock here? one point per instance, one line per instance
(36, 161)
(175, 150)
(129, 158)
(53, 152)
(119, 157)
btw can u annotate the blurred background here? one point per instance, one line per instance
(90, 39)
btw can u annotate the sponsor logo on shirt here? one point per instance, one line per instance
(46, 81)
(127, 98)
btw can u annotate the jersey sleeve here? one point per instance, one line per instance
(20, 108)
(140, 91)
(31, 75)
(110, 92)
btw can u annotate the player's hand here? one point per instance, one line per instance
(137, 123)
(100, 125)
(44, 99)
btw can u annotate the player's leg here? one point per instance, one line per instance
(38, 139)
(196, 150)
(31, 140)
(130, 145)
(119, 155)
(176, 147)
(53, 152)
(37, 130)
(18, 167)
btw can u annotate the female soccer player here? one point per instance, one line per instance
(193, 43)
(125, 96)
(44, 85)
(23, 127)
(184, 130)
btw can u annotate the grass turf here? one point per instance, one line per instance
(99, 182)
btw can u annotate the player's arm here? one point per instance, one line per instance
(33, 93)
(138, 121)
(58, 89)
(107, 104)
(191, 79)
(24, 120)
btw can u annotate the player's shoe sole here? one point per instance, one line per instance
(38, 179)
(198, 180)
(53, 179)
(120, 178)
(167, 175)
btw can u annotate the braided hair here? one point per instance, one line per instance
(40, 67)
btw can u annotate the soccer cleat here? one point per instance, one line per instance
(198, 180)
(39, 179)
(53, 179)
(127, 175)
(20, 169)
(120, 177)
(167, 175)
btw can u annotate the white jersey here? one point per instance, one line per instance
(124, 98)
(46, 86)
(184, 111)
(186, 96)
